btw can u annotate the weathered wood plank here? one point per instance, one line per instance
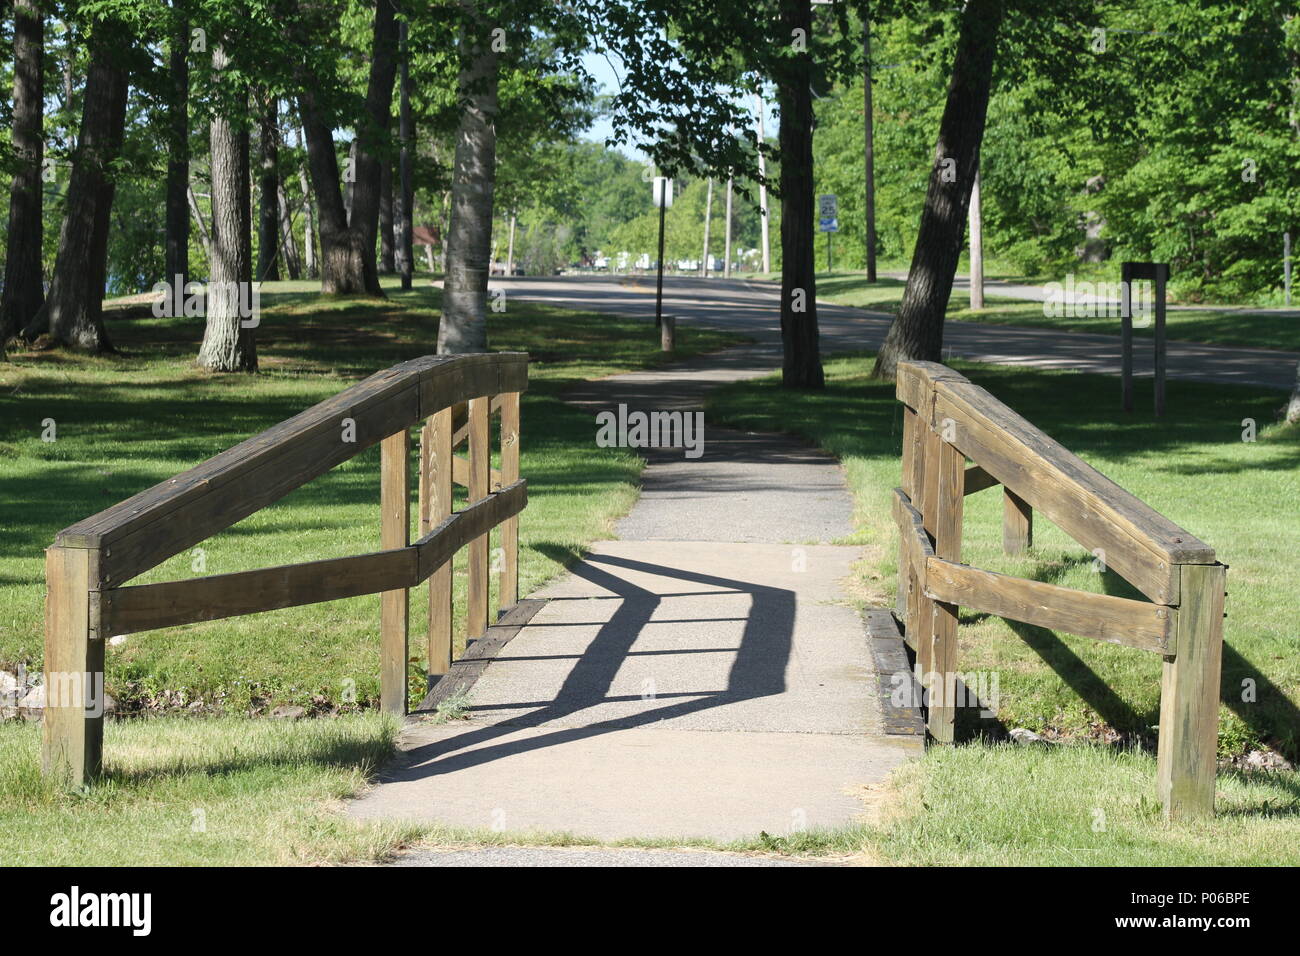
(1017, 523)
(73, 733)
(508, 588)
(460, 472)
(145, 607)
(942, 674)
(1138, 542)
(1102, 617)
(480, 454)
(438, 469)
(394, 607)
(1189, 696)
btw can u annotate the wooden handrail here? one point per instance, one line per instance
(89, 561)
(948, 419)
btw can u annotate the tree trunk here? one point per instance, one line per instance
(177, 226)
(73, 310)
(268, 189)
(405, 200)
(469, 234)
(917, 330)
(372, 141)
(308, 219)
(229, 344)
(387, 250)
(708, 221)
(23, 293)
(288, 245)
(802, 364)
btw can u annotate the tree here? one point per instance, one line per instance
(23, 294)
(463, 327)
(72, 312)
(268, 188)
(177, 239)
(917, 330)
(801, 365)
(229, 344)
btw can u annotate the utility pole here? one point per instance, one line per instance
(726, 249)
(869, 129)
(708, 221)
(976, 218)
(762, 188)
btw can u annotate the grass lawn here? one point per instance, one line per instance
(1192, 466)
(1212, 326)
(128, 421)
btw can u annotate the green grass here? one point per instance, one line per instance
(1192, 466)
(215, 792)
(1074, 806)
(126, 422)
(1211, 326)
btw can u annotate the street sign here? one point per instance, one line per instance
(662, 198)
(828, 213)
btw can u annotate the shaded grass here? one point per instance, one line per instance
(1192, 466)
(1211, 326)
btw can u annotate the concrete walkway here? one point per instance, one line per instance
(701, 677)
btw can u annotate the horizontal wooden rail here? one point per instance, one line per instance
(977, 479)
(1100, 616)
(146, 529)
(147, 607)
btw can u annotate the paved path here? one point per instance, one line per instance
(532, 856)
(749, 308)
(701, 677)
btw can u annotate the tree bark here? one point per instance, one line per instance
(387, 250)
(229, 343)
(404, 210)
(268, 188)
(801, 366)
(288, 245)
(917, 330)
(24, 293)
(373, 154)
(73, 310)
(177, 225)
(469, 234)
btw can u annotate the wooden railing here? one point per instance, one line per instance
(453, 396)
(947, 420)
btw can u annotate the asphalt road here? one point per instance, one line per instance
(750, 307)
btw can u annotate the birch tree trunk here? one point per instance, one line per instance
(229, 343)
(404, 201)
(469, 235)
(23, 291)
(917, 330)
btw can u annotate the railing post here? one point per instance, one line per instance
(73, 735)
(395, 531)
(1017, 523)
(508, 589)
(435, 486)
(480, 452)
(1189, 695)
(950, 465)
